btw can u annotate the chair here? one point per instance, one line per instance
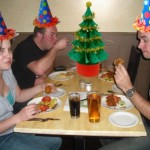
(133, 63)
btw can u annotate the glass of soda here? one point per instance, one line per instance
(74, 104)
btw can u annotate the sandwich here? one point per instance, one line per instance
(118, 61)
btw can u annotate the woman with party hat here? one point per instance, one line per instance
(11, 92)
(142, 25)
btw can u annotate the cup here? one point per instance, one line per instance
(94, 101)
(74, 104)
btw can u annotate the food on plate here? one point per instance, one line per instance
(48, 89)
(69, 73)
(114, 100)
(46, 99)
(61, 75)
(118, 61)
(64, 75)
(108, 76)
(47, 103)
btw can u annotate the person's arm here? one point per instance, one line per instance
(123, 81)
(141, 104)
(45, 64)
(26, 113)
(40, 79)
(23, 95)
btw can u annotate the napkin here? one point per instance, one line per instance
(83, 104)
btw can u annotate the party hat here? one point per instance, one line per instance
(45, 18)
(142, 23)
(4, 32)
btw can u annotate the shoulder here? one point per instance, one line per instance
(9, 78)
(28, 42)
(8, 74)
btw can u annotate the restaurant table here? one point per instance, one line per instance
(81, 126)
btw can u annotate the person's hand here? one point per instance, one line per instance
(40, 80)
(50, 87)
(122, 78)
(28, 112)
(53, 88)
(61, 44)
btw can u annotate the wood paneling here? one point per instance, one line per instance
(116, 45)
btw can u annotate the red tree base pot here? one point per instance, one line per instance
(88, 70)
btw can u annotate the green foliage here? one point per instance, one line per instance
(88, 47)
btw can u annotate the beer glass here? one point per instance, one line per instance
(94, 101)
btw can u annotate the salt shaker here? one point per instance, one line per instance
(88, 86)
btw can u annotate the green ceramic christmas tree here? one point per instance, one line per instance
(88, 47)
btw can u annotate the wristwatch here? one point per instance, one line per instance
(130, 93)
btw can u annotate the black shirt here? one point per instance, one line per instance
(26, 52)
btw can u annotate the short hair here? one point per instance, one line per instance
(37, 29)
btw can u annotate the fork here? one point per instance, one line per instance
(58, 84)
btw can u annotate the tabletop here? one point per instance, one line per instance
(81, 126)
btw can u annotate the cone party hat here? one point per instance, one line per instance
(45, 18)
(142, 23)
(4, 32)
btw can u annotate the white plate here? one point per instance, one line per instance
(55, 76)
(128, 104)
(73, 68)
(105, 78)
(59, 93)
(116, 89)
(38, 99)
(123, 119)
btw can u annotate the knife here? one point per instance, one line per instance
(43, 119)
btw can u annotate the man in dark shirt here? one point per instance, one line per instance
(26, 52)
(34, 57)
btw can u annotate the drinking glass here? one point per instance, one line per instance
(94, 101)
(74, 103)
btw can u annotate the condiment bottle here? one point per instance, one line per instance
(88, 86)
(82, 84)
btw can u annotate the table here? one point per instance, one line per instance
(81, 127)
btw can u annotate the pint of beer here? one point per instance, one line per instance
(94, 101)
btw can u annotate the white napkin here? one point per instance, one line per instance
(83, 104)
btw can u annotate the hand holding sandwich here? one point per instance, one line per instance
(121, 75)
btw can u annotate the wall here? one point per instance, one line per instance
(110, 15)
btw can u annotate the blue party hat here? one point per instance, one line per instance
(142, 23)
(4, 32)
(45, 18)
